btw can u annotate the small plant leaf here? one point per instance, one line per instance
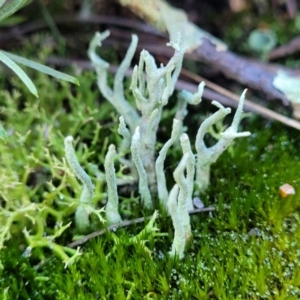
(12, 21)
(41, 68)
(10, 8)
(22, 75)
(3, 133)
(2, 2)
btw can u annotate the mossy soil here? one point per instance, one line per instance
(247, 249)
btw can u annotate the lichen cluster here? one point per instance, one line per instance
(152, 87)
(247, 248)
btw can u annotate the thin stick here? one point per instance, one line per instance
(92, 235)
(219, 91)
(248, 105)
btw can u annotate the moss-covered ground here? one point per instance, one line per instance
(249, 248)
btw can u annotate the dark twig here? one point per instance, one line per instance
(250, 72)
(287, 49)
(248, 105)
(292, 8)
(92, 235)
(254, 74)
(213, 92)
(125, 224)
(21, 30)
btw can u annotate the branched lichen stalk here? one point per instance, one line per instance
(179, 241)
(152, 125)
(116, 96)
(190, 98)
(81, 216)
(203, 153)
(190, 169)
(125, 133)
(184, 194)
(207, 156)
(143, 181)
(184, 97)
(159, 164)
(151, 98)
(112, 205)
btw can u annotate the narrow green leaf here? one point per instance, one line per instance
(10, 8)
(2, 2)
(3, 133)
(42, 68)
(22, 75)
(12, 21)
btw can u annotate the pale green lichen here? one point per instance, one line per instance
(190, 169)
(143, 184)
(112, 205)
(179, 241)
(163, 193)
(184, 194)
(207, 156)
(116, 96)
(125, 133)
(82, 214)
(290, 86)
(150, 98)
(151, 92)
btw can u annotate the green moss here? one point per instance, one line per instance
(223, 261)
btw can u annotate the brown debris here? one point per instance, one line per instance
(286, 190)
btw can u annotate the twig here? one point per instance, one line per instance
(214, 93)
(20, 30)
(287, 49)
(248, 105)
(253, 74)
(291, 7)
(206, 48)
(90, 236)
